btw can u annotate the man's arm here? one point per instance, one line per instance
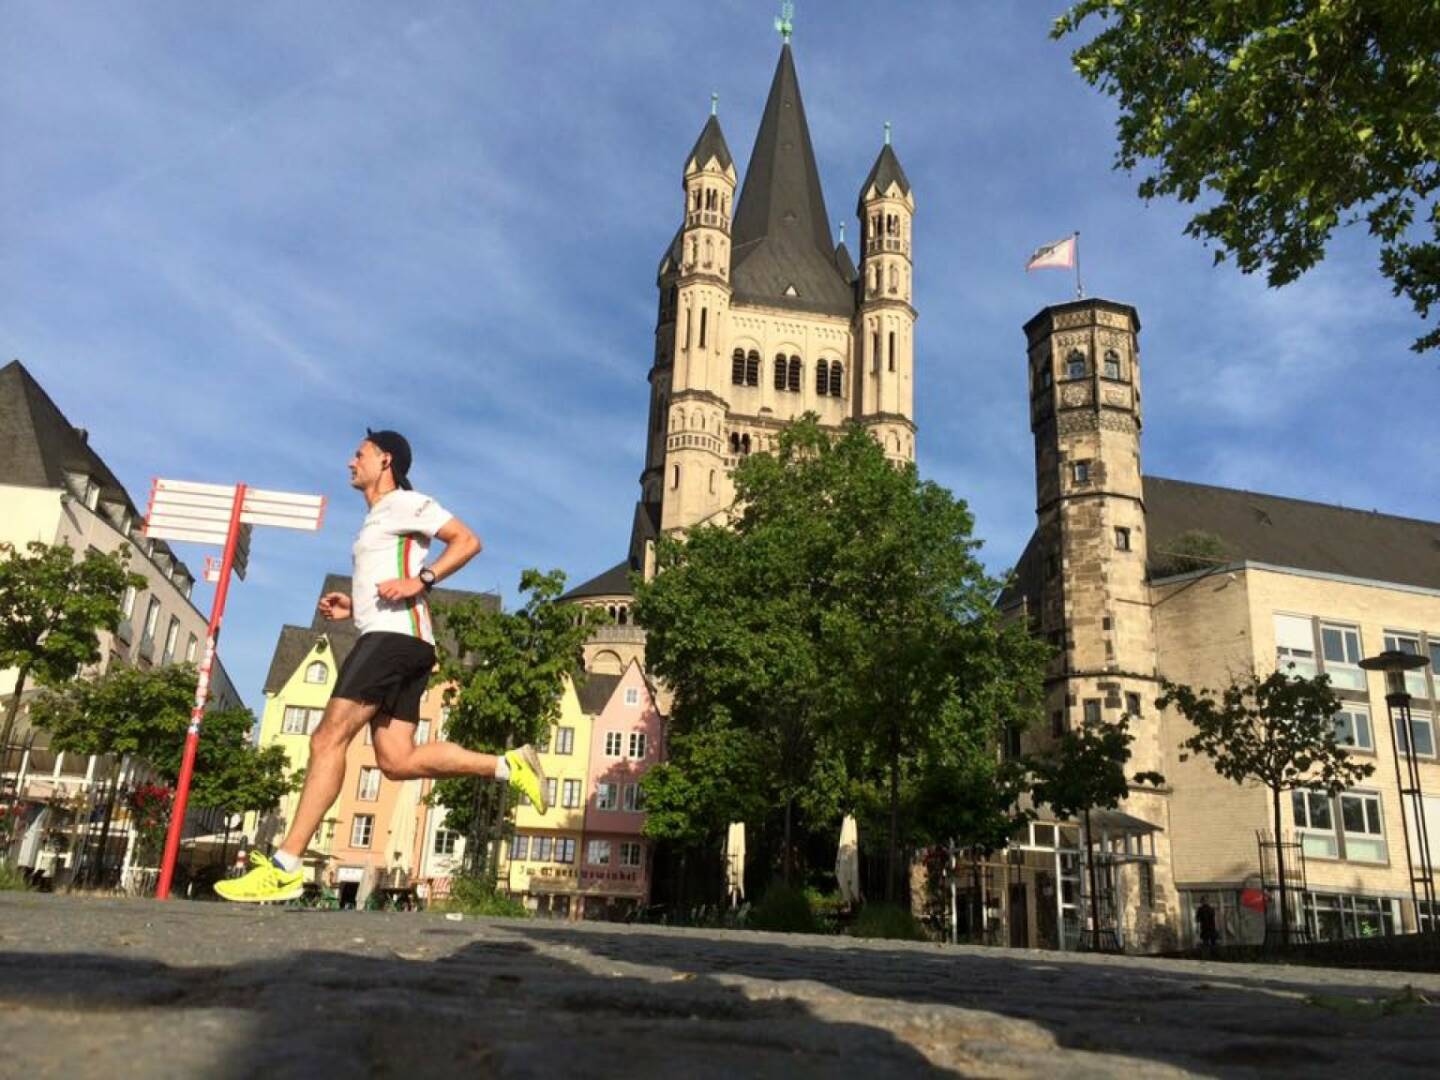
(461, 545)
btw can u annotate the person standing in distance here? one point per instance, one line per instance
(384, 677)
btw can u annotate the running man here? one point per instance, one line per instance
(384, 677)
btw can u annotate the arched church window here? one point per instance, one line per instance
(709, 251)
(795, 374)
(703, 313)
(624, 615)
(837, 379)
(894, 279)
(779, 371)
(737, 367)
(892, 350)
(1112, 364)
(875, 351)
(745, 443)
(675, 476)
(1075, 365)
(752, 369)
(822, 378)
(712, 481)
(874, 280)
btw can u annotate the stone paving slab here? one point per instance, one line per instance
(111, 988)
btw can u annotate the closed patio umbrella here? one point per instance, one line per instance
(847, 861)
(735, 862)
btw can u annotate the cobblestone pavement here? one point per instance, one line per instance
(112, 988)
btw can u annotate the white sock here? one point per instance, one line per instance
(502, 768)
(285, 861)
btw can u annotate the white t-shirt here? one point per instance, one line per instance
(392, 543)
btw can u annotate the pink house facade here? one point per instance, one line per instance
(627, 739)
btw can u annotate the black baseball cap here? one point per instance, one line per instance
(398, 447)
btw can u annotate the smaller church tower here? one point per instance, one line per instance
(885, 319)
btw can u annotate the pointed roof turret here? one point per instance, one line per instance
(710, 144)
(886, 171)
(783, 253)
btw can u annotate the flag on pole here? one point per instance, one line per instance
(1057, 256)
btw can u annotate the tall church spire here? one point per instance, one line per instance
(783, 249)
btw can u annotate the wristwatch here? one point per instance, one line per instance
(427, 577)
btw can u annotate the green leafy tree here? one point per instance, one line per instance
(52, 608)
(1278, 731)
(1086, 772)
(504, 674)
(1284, 121)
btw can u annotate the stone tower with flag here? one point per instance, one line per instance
(764, 317)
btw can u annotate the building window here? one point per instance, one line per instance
(1046, 378)
(541, 848)
(552, 791)
(637, 744)
(1092, 712)
(675, 476)
(300, 721)
(892, 350)
(191, 647)
(604, 796)
(422, 733)
(1011, 737)
(633, 799)
(780, 371)
(572, 795)
(1147, 886)
(369, 789)
(1057, 723)
(152, 617)
(1315, 823)
(1112, 364)
(1424, 735)
(1122, 539)
(822, 378)
(704, 313)
(1334, 917)
(317, 672)
(361, 830)
(565, 740)
(1399, 641)
(127, 602)
(1075, 365)
(752, 369)
(737, 367)
(564, 849)
(1295, 645)
(612, 744)
(543, 743)
(632, 695)
(519, 846)
(1080, 472)
(796, 373)
(1132, 705)
(172, 638)
(1361, 822)
(597, 853)
(445, 843)
(1352, 728)
(629, 853)
(1340, 647)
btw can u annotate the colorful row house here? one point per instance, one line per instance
(587, 857)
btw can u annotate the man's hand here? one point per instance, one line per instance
(400, 588)
(335, 605)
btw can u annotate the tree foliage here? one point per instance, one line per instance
(504, 674)
(52, 608)
(843, 623)
(145, 714)
(1284, 121)
(1278, 731)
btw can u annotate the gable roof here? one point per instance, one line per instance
(595, 692)
(782, 253)
(883, 173)
(294, 645)
(612, 582)
(1296, 533)
(711, 144)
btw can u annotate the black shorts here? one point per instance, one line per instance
(389, 670)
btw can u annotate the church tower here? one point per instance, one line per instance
(1090, 546)
(763, 317)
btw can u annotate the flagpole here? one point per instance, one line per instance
(1079, 289)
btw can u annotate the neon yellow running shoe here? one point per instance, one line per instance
(266, 883)
(527, 776)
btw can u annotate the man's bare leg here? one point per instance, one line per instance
(325, 774)
(400, 759)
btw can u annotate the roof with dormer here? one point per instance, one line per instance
(782, 254)
(885, 173)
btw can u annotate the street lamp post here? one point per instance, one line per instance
(1397, 704)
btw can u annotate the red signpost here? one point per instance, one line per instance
(208, 514)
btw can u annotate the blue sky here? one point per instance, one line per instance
(235, 235)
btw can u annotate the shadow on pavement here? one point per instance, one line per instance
(1208, 1018)
(490, 1007)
